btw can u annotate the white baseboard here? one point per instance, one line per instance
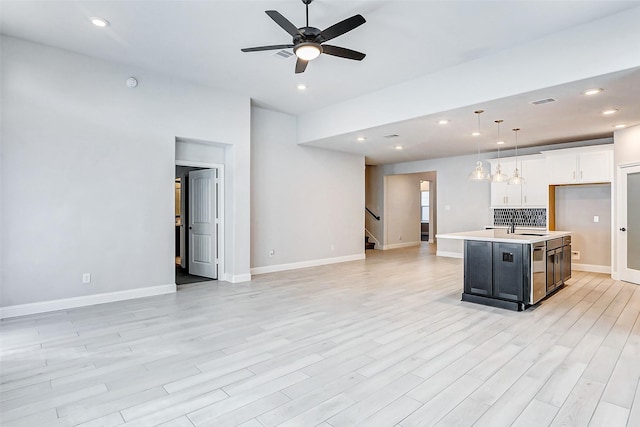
(83, 301)
(305, 264)
(591, 268)
(450, 254)
(400, 245)
(239, 278)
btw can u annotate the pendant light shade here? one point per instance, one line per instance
(478, 174)
(516, 179)
(498, 176)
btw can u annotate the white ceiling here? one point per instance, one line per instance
(200, 41)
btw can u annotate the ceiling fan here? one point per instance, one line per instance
(308, 42)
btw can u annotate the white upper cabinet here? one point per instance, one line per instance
(533, 193)
(582, 165)
(596, 166)
(534, 189)
(502, 194)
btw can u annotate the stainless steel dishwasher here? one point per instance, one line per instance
(538, 272)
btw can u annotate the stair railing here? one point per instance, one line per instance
(372, 237)
(372, 214)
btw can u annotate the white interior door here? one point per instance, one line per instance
(629, 224)
(203, 223)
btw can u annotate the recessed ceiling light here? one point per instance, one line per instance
(592, 91)
(99, 22)
(620, 126)
(500, 142)
(360, 139)
(399, 147)
(443, 122)
(475, 134)
(609, 112)
(302, 86)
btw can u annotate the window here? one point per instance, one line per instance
(424, 206)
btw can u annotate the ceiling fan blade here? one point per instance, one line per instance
(301, 65)
(283, 22)
(342, 52)
(272, 47)
(342, 27)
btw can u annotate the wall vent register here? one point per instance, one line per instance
(523, 217)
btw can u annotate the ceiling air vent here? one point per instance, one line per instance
(543, 101)
(392, 135)
(284, 54)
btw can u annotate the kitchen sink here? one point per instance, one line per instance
(531, 234)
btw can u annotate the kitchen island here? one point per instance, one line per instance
(513, 270)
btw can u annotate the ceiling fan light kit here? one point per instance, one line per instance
(307, 51)
(308, 41)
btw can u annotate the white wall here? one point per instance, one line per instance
(88, 172)
(576, 205)
(626, 147)
(307, 204)
(549, 61)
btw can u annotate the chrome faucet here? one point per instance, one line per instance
(512, 226)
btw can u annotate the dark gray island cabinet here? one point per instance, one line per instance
(513, 271)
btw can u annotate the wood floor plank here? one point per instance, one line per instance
(321, 412)
(634, 415)
(384, 341)
(537, 413)
(609, 415)
(310, 398)
(580, 405)
(209, 413)
(368, 406)
(465, 414)
(249, 412)
(440, 405)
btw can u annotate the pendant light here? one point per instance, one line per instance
(499, 176)
(478, 174)
(516, 179)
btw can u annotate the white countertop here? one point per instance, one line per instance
(501, 235)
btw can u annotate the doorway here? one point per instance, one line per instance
(403, 210)
(198, 222)
(424, 210)
(629, 223)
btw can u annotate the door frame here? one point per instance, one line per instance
(219, 206)
(620, 175)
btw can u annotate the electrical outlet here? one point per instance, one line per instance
(575, 255)
(272, 252)
(86, 278)
(333, 248)
(596, 218)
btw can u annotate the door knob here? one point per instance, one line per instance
(623, 229)
(190, 228)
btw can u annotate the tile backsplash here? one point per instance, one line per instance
(524, 217)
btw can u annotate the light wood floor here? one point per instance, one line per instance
(381, 342)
